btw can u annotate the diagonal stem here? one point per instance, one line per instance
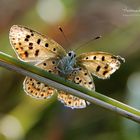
(70, 87)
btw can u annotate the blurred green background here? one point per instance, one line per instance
(118, 22)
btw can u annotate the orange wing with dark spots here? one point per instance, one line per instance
(100, 64)
(30, 45)
(83, 78)
(37, 89)
(40, 90)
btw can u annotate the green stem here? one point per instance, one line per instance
(70, 87)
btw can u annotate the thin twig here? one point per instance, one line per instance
(67, 86)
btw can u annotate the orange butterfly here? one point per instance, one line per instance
(31, 46)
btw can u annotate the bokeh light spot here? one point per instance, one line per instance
(133, 85)
(10, 127)
(51, 11)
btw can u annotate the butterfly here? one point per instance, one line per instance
(31, 46)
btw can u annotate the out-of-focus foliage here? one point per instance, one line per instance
(22, 117)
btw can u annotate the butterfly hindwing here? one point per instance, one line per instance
(100, 64)
(37, 89)
(30, 45)
(83, 78)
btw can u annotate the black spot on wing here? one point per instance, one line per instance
(98, 68)
(30, 45)
(103, 58)
(38, 41)
(90, 82)
(105, 72)
(54, 49)
(77, 78)
(53, 62)
(94, 57)
(49, 71)
(106, 66)
(46, 45)
(27, 36)
(26, 39)
(36, 52)
(85, 73)
(26, 53)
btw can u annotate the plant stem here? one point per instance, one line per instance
(70, 87)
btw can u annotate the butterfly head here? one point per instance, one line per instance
(71, 54)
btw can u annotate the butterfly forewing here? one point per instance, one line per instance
(30, 45)
(83, 78)
(100, 64)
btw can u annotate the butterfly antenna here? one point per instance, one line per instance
(86, 43)
(61, 30)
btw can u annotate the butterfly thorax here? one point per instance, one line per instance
(66, 64)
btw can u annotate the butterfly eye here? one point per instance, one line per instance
(69, 54)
